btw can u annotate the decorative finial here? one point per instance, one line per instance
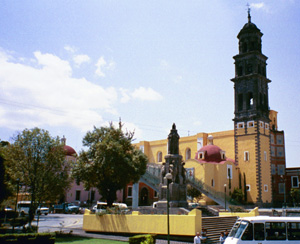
(63, 140)
(249, 16)
(210, 140)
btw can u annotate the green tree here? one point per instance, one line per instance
(111, 161)
(38, 161)
(5, 190)
(237, 195)
(194, 193)
(245, 189)
(295, 194)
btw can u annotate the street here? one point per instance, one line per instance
(59, 222)
(73, 222)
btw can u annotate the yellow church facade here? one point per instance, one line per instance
(215, 175)
(244, 158)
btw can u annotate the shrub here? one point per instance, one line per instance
(144, 239)
(237, 209)
(44, 238)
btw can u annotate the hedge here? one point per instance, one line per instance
(144, 239)
(44, 238)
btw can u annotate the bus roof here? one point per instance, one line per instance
(270, 218)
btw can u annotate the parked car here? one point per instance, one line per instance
(42, 210)
(66, 208)
(193, 204)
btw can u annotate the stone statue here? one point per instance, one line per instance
(175, 166)
(173, 141)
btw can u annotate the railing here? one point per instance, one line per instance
(152, 179)
(216, 196)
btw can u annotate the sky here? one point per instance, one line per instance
(67, 66)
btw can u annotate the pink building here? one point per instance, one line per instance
(77, 193)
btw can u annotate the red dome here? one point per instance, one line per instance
(212, 153)
(69, 150)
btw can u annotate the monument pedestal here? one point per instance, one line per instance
(173, 167)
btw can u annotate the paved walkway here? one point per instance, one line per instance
(81, 232)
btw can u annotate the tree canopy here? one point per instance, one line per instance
(37, 161)
(111, 161)
(5, 190)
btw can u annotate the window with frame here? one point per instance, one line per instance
(280, 152)
(248, 233)
(248, 188)
(240, 125)
(229, 171)
(223, 157)
(77, 195)
(129, 191)
(159, 157)
(279, 139)
(272, 151)
(187, 154)
(295, 182)
(261, 124)
(201, 155)
(281, 169)
(155, 194)
(246, 156)
(266, 189)
(293, 230)
(273, 169)
(259, 231)
(265, 156)
(250, 123)
(267, 126)
(275, 231)
(272, 139)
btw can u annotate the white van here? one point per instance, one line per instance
(23, 207)
(102, 206)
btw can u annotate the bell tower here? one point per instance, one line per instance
(251, 114)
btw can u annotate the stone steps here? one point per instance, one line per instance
(216, 225)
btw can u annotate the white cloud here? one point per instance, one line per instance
(49, 95)
(146, 94)
(125, 97)
(70, 49)
(52, 62)
(141, 93)
(103, 65)
(260, 6)
(80, 59)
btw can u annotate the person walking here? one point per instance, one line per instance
(222, 238)
(197, 238)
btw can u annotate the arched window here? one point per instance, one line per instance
(187, 154)
(159, 157)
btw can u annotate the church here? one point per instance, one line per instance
(250, 158)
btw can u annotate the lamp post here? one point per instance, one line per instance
(225, 194)
(284, 193)
(168, 177)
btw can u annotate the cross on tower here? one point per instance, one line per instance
(249, 10)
